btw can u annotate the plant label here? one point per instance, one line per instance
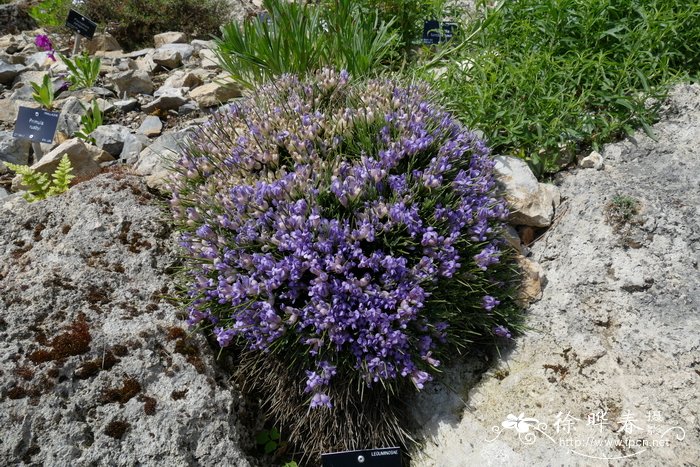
(80, 24)
(36, 125)
(384, 457)
(435, 32)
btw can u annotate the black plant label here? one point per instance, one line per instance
(435, 32)
(80, 24)
(385, 457)
(36, 125)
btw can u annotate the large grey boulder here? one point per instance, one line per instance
(531, 203)
(96, 369)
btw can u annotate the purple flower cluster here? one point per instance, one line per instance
(323, 216)
(43, 42)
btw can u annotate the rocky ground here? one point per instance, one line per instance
(613, 353)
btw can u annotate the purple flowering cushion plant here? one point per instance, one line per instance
(347, 230)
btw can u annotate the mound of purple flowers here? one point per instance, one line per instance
(326, 219)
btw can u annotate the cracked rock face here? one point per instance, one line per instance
(613, 354)
(96, 369)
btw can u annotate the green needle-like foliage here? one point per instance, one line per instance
(301, 38)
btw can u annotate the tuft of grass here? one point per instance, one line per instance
(547, 79)
(621, 209)
(302, 38)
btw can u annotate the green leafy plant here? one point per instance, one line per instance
(546, 80)
(89, 122)
(39, 185)
(83, 70)
(269, 440)
(300, 38)
(43, 93)
(50, 13)
(405, 16)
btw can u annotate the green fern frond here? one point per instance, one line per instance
(62, 176)
(39, 185)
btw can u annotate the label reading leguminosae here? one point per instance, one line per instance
(384, 457)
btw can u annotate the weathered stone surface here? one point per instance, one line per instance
(182, 79)
(110, 138)
(83, 157)
(12, 149)
(8, 72)
(132, 82)
(592, 161)
(615, 330)
(213, 94)
(96, 370)
(208, 59)
(185, 50)
(156, 158)
(133, 145)
(532, 203)
(151, 126)
(170, 37)
(102, 42)
(126, 105)
(168, 99)
(167, 58)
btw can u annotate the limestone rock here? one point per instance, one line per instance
(132, 82)
(213, 94)
(97, 369)
(102, 42)
(208, 59)
(170, 37)
(110, 138)
(168, 99)
(592, 161)
(167, 58)
(185, 50)
(182, 79)
(83, 157)
(8, 72)
(532, 203)
(133, 145)
(126, 105)
(533, 278)
(151, 126)
(12, 149)
(156, 158)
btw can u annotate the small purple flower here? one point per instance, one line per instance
(502, 331)
(321, 400)
(43, 42)
(489, 302)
